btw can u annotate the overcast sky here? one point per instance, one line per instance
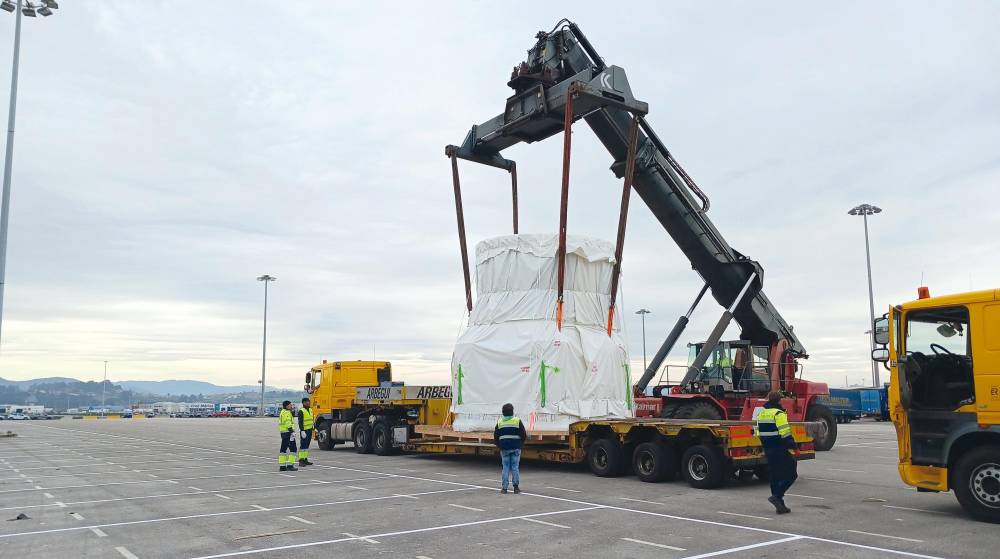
(167, 153)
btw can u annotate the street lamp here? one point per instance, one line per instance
(104, 385)
(643, 313)
(263, 360)
(865, 210)
(17, 10)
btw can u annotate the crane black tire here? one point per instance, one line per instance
(362, 435)
(605, 458)
(653, 462)
(704, 466)
(323, 439)
(382, 439)
(976, 482)
(668, 410)
(697, 410)
(819, 412)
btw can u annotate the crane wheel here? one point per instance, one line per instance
(704, 466)
(654, 462)
(819, 412)
(976, 482)
(605, 458)
(362, 435)
(697, 410)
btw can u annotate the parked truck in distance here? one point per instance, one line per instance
(358, 402)
(943, 354)
(849, 404)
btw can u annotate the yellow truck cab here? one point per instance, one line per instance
(944, 394)
(358, 401)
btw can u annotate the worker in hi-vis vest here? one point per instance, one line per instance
(286, 425)
(305, 432)
(776, 437)
(509, 435)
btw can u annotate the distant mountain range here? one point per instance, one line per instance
(158, 387)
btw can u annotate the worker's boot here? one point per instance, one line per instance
(779, 505)
(291, 468)
(283, 468)
(517, 489)
(306, 462)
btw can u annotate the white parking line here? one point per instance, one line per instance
(221, 496)
(914, 509)
(846, 470)
(553, 524)
(258, 507)
(465, 507)
(805, 496)
(48, 495)
(744, 515)
(400, 533)
(444, 474)
(195, 488)
(100, 533)
(644, 501)
(357, 487)
(302, 520)
(886, 536)
(654, 544)
(828, 480)
(125, 553)
(76, 515)
(563, 489)
(362, 538)
(743, 548)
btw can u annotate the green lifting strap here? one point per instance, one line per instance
(541, 380)
(628, 384)
(460, 375)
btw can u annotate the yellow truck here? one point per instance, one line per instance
(944, 394)
(358, 401)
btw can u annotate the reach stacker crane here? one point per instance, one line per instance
(564, 80)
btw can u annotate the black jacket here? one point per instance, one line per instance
(508, 442)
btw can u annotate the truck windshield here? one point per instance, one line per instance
(937, 345)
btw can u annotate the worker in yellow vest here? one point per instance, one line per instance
(776, 437)
(286, 425)
(509, 436)
(305, 432)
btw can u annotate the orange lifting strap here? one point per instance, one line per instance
(564, 201)
(633, 140)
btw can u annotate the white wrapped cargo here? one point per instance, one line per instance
(512, 350)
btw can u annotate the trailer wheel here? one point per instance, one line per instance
(976, 481)
(605, 458)
(762, 472)
(362, 437)
(703, 466)
(323, 439)
(382, 439)
(654, 462)
(697, 410)
(819, 412)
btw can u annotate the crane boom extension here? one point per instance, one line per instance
(564, 57)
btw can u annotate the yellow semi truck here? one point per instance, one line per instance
(944, 394)
(358, 402)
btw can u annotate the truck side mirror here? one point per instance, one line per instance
(880, 331)
(309, 378)
(880, 355)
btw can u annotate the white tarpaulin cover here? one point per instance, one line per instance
(513, 352)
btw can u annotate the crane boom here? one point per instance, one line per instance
(562, 58)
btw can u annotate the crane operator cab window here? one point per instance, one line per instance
(718, 369)
(939, 358)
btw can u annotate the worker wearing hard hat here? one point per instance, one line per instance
(286, 426)
(776, 437)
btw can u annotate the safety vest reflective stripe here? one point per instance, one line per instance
(509, 427)
(773, 423)
(285, 421)
(307, 418)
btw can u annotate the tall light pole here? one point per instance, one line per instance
(643, 313)
(865, 210)
(104, 385)
(30, 10)
(263, 359)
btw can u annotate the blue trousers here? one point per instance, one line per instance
(511, 462)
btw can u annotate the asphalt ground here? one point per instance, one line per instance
(200, 488)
